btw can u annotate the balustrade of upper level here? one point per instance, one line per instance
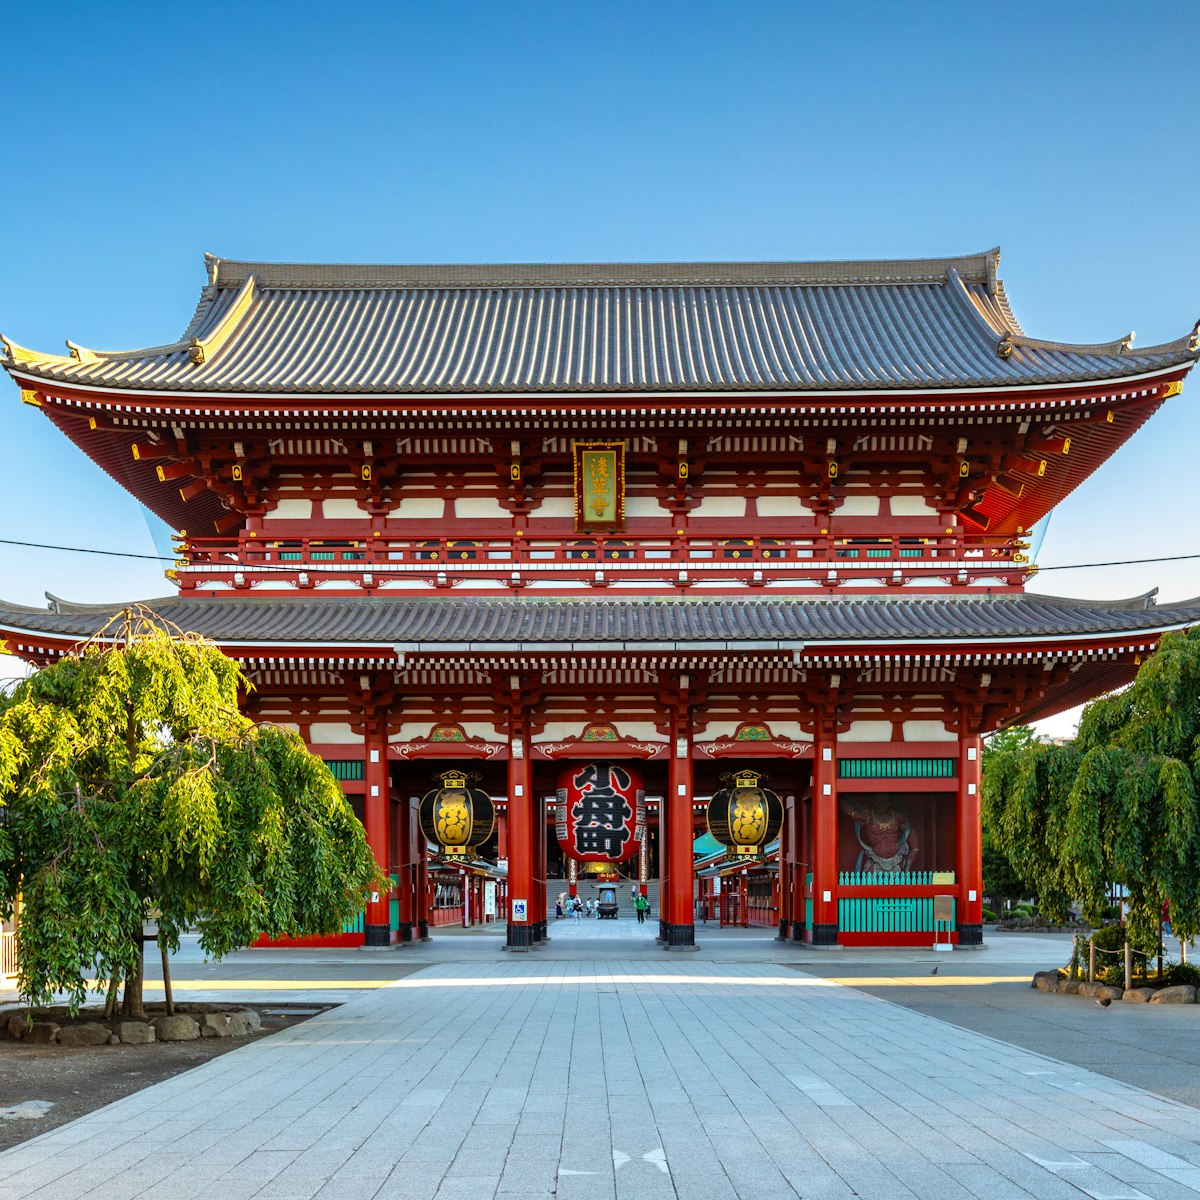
(718, 561)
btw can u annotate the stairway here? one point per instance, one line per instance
(554, 886)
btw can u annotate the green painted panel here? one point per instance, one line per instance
(896, 768)
(346, 768)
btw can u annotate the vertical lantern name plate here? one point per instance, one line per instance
(599, 487)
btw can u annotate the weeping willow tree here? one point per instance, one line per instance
(132, 789)
(1118, 804)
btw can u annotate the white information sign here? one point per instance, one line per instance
(489, 900)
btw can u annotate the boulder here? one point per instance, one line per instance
(43, 1033)
(1046, 981)
(176, 1029)
(17, 1025)
(1091, 990)
(1137, 995)
(134, 1033)
(90, 1033)
(1108, 992)
(1069, 986)
(253, 1020)
(215, 1024)
(238, 1025)
(1182, 993)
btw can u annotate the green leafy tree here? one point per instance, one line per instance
(132, 788)
(1118, 804)
(1001, 882)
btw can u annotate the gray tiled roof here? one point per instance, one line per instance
(615, 624)
(648, 327)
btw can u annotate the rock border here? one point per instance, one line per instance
(88, 1027)
(1058, 982)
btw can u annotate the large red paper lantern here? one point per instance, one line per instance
(601, 813)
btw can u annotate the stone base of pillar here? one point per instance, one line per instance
(520, 937)
(799, 929)
(406, 933)
(376, 937)
(782, 935)
(970, 935)
(423, 930)
(681, 937)
(824, 935)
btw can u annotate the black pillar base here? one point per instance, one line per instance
(377, 935)
(520, 937)
(423, 930)
(681, 937)
(799, 930)
(824, 935)
(970, 935)
(662, 932)
(782, 935)
(406, 933)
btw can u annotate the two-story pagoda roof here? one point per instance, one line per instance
(318, 330)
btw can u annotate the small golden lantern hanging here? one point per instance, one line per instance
(745, 817)
(457, 817)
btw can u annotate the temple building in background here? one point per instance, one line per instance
(672, 528)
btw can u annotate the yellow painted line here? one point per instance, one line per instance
(924, 980)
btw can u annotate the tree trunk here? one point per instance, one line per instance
(132, 1006)
(166, 964)
(110, 1002)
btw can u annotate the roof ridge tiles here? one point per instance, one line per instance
(979, 267)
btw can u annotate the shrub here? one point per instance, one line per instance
(1110, 912)
(989, 917)
(1177, 973)
(1111, 937)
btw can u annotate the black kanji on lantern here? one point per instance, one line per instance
(601, 813)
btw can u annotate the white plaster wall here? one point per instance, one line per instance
(479, 506)
(720, 506)
(290, 510)
(413, 508)
(337, 733)
(911, 506)
(782, 506)
(859, 506)
(927, 731)
(867, 731)
(555, 506)
(341, 508)
(645, 506)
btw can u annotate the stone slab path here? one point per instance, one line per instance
(531, 1077)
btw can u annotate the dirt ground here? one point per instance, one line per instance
(78, 1079)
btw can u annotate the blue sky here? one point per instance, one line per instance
(139, 136)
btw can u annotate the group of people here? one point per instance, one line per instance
(577, 909)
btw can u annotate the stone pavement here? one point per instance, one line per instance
(602, 1068)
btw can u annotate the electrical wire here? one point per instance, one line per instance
(956, 565)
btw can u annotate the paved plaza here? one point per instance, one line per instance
(603, 1067)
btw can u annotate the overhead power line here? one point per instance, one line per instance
(951, 564)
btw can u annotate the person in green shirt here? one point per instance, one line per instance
(641, 904)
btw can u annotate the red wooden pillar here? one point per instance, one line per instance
(376, 805)
(824, 930)
(680, 908)
(969, 862)
(664, 865)
(520, 844)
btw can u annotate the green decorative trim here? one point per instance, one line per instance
(896, 768)
(345, 769)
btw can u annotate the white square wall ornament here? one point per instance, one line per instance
(374, 755)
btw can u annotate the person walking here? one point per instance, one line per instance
(576, 908)
(640, 905)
